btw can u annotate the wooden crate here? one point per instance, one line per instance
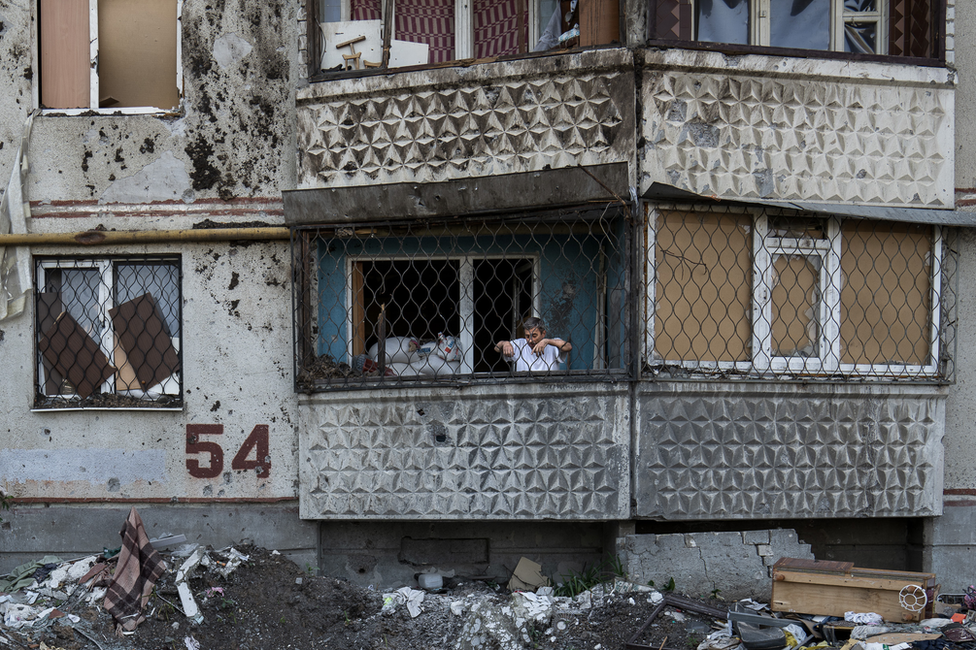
(834, 588)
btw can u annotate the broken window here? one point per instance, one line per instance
(438, 31)
(108, 332)
(402, 303)
(777, 293)
(112, 54)
(892, 27)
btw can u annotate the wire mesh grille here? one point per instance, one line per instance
(456, 301)
(739, 292)
(108, 332)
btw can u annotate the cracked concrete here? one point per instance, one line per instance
(734, 564)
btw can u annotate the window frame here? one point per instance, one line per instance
(93, 67)
(464, 37)
(466, 285)
(687, 10)
(760, 34)
(828, 363)
(108, 286)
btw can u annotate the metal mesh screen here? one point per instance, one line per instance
(456, 301)
(108, 332)
(738, 292)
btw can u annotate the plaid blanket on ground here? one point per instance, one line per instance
(138, 569)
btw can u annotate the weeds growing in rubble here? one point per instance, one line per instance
(575, 583)
(669, 586)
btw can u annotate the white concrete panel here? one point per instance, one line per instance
(767, 127)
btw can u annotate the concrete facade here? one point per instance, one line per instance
(375, 485)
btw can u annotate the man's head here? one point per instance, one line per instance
(535, 330)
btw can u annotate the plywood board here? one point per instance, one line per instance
(599, 22)
(137, 53)
(49, 307)
(75, 355)
(142, 334)
(65, 54)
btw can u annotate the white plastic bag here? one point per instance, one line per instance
(447, 348)
(399, 349)
(436, 366)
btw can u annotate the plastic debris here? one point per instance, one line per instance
(412, 598)
(190, 607)
(864, 618)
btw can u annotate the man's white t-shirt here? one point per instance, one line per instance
(527, 360)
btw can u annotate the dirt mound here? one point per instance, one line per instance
(269, 603)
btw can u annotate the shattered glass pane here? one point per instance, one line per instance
(860, 37)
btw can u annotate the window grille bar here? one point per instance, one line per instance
(108, 332)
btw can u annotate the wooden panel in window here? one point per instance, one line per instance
(142, 334)
(886, 294)
(795, 302)
(49, 307)
(704, 279)
(65, 54)
(599, 21)
(137, 53)
(75, 355)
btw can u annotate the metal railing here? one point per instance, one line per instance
(454, 301)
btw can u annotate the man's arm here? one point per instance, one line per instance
(505, 347)
(559, 344)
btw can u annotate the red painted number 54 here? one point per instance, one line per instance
(256, 442)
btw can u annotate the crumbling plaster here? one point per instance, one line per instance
(230, 139)
(733, 564)
(237, 373)
(16, 76)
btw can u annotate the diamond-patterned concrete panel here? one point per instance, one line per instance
(508, 125)
(786, 453)
(525, 454)
(770, 136)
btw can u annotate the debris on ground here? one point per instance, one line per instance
(246, 597)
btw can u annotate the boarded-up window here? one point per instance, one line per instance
(796, 306)
(886, 295)
(703, 264)
(773, 292)
(134, 44)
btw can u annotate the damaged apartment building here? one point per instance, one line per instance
(260, 260)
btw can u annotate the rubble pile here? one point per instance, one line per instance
(248, 597)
